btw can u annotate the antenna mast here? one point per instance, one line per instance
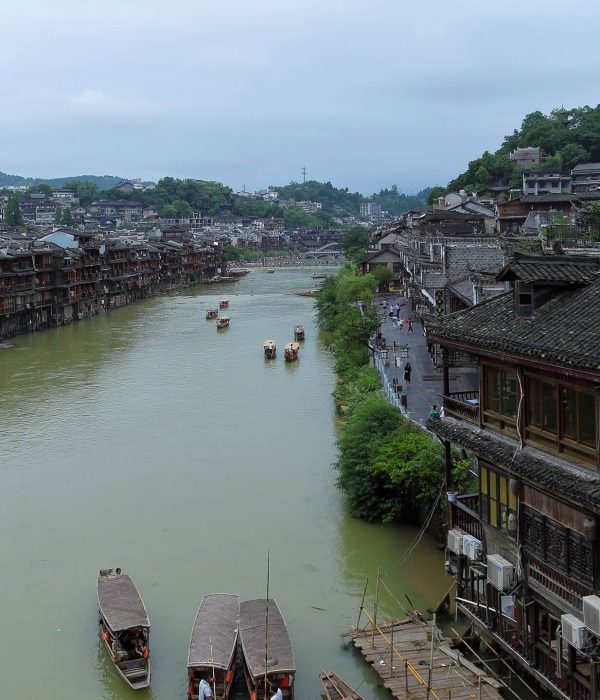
(304, 173)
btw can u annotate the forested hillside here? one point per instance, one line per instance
(567, 137)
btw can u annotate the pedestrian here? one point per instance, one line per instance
(397, 311)
(400, 323)
(410, 326)
(204, 689)
(407, 372)
(435, 413)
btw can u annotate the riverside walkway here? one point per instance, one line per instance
(426, 384)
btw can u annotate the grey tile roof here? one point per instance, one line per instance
(120, 603)
(214, 634)
(565, 329)
(550, 270)
(559, 476)
(252, 635)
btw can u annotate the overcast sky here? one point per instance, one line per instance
(363, 93)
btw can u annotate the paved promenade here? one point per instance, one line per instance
(426, 383)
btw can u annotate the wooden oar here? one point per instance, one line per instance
(212, 661)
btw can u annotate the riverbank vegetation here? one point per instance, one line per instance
(390, 470)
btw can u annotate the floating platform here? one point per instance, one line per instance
(404, 670)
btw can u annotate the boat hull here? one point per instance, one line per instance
(335, 688)
(135, 672)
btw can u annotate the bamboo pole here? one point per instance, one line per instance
(431, 656)
(362, 603)
(212, 661)
(267, 621)
(392, 651)
(375, 605)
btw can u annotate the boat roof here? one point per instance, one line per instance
(214, 634)
(293, 345)
(120, 603)
(268, 341)
(224, 317)
(252, 634)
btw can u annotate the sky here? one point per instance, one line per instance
(364, 94)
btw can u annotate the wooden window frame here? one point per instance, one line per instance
(489, 415)
(558, 442)
(493, 495)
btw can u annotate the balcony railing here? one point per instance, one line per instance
(465, 515)
(463, 405)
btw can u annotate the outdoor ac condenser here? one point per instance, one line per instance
(472, 547)
(591, 613)
(573, 631)
(455, 538)
(499, 572)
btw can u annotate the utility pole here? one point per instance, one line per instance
(304, 173)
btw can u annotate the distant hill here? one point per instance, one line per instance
(104, 182)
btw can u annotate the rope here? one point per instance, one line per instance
(419, 536)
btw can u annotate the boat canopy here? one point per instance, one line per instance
(280, 656)
(269, 342)
(214, 634)
(120, 603)
(293, 346)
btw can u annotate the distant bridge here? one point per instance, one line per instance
(329, 250)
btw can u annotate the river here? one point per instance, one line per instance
(147, 439)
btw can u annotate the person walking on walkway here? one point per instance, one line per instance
(410, 326)
(407, 372)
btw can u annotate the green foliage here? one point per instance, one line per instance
(355, 386)
(205, 196)
(12, 211)
(395, 202)
(382, 274)
(434, 194)
(355, 242)
(86, 191)
(568, 137)
(42, 187)
(366, 427)
(64, 217)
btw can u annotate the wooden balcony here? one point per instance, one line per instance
(465, 515)
(463, 405)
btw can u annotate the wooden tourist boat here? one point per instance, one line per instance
(212, 313)
(238, 271)
(335, 688)
(124, 627)
(224, 304)
(270, 349)
(223, 322)
(270, 270)
(299, 332)
(213, 644)
(290, 351)
(319, 275)
(265, 637)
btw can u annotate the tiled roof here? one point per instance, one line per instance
(549, 270)
(564, 329)
(559, 476)
(582, 167)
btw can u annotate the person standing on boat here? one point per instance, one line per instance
(204, 689)
(276, 690)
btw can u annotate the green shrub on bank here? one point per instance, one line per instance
(389, 468)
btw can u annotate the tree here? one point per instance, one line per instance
(435, 193)
(168, 212)
(183, 209)
(573, 154)
(67, 217)
(12, 211)
(382, 274)
(85, 190)
(355, 242)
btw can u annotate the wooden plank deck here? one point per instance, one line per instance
(407, 674)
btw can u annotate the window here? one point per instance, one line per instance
(563, 418)
(497, 500)
(523, 300)
(500, 394)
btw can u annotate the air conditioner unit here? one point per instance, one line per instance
(500, 572)
(574, 631)
(591, 613)
(472, 547)
(455, 538)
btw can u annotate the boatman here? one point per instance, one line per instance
(276, 690)
(204, 689)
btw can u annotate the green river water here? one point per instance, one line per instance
(147, 439)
